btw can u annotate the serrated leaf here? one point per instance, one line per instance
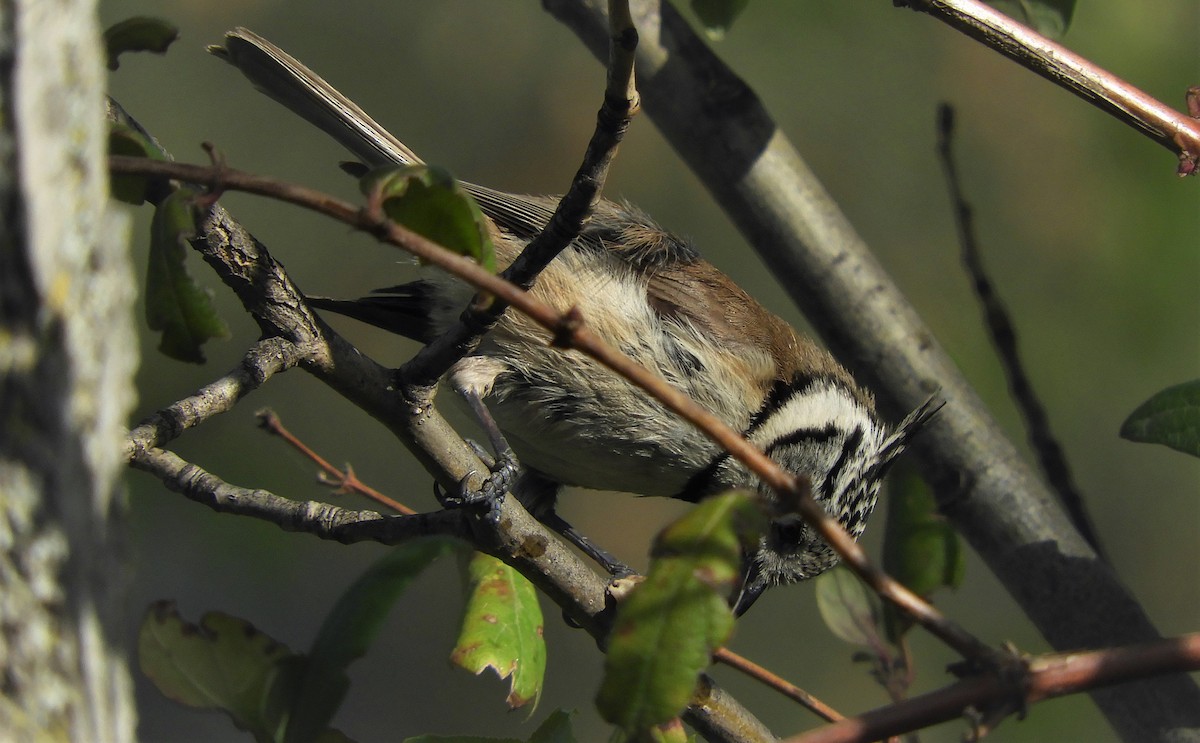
(502, 629)
(138, 34)
(1050, 18)
(223, 663)
(554, 729)
(1170, 418)
(849, 610)
(125, 140)
(667, 628)
(175, 303)
(717, 16)
(428, 201)
(350, 628)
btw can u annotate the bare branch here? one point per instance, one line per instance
(313, 517)
(1170, 128)
(345, 481)
(266, 358)
(1047, 677)
(783, 686)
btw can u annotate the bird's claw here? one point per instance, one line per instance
(503, 473)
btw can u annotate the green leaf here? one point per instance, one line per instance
(138, 34)
(350, 628)
(502, 629)
(667, 628)
(671, 731)
(428, 201)
(920, 548)
(1170, 418)
(1050, 18)
(555, 729)
(223, 663)
(849, 610)
(175, 303)
(125, 140)
(717, 16)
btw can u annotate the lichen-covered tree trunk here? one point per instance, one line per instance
(67, 356)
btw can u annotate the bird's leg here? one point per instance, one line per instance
(539, 494)
(472, 378)
(503, 466)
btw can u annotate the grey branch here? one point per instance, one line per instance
(265, 359)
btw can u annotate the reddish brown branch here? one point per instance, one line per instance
(1172, 129)
(783, 686)
(1046, 677)
(346, 481)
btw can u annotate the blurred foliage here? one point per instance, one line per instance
(1171, 418)
(1048, 17)
(138, 34)
(176, 304)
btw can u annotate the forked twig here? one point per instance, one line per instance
(345, 481)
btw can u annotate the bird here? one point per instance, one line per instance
(571, 421)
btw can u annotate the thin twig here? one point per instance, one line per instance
(346, 481)
(1170, 128)
(1004, 339)
(779, 684)
(570, 332)
(620, 105)
(320, 519)
(265, 358)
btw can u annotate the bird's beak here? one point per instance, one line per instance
(752, 587)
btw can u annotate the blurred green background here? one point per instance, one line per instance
(1090, 239)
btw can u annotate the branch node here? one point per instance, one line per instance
(567, 328)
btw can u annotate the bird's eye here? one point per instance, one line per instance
(790, 532)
